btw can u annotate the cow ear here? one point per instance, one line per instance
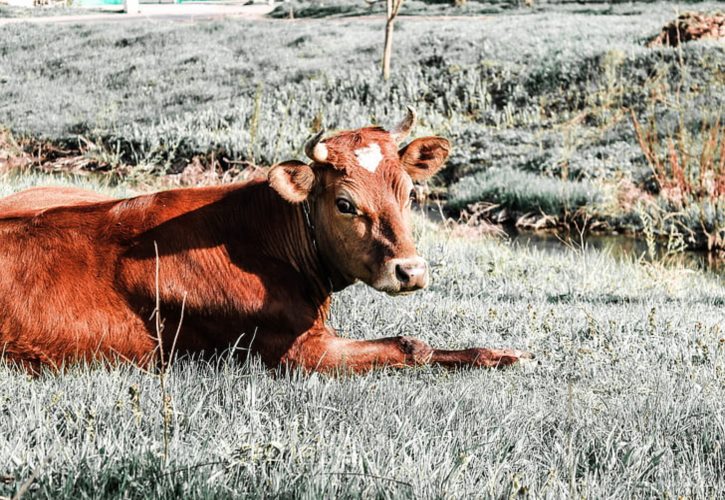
(293, 180)
(423, 157)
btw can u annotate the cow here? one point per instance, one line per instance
(85, 277)
(39, 198)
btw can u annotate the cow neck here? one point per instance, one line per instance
(284, 232)
(334, 280)
(313, 237)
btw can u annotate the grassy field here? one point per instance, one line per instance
(628, 401)
(55, 10)
(540, 96)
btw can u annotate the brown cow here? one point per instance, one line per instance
(40, 198)
(252, 264)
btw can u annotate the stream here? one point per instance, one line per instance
(621, 247)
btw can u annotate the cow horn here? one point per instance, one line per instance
(402, 130)
(315, 149)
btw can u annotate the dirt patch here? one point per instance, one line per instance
(690, 26)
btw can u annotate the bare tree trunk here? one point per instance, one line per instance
(392, 8)
(388, 49)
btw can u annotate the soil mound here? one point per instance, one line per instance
(690, 26)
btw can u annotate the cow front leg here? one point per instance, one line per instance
(327, 352)
(480, 357)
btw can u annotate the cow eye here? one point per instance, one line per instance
(411, 197)
(345, 207)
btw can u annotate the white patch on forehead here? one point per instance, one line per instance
(370, 157)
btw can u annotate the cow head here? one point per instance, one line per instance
(358, 187)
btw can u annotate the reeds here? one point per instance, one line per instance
(687, 169)
(689, 172)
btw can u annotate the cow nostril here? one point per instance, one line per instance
(402, 274)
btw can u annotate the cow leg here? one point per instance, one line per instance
(480, 357)
(327, 352)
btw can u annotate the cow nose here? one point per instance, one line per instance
(411, 273)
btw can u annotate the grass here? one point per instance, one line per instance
(11, 11)
(689, 173)
(547, 91)
(538, 95)
(628, 401)
(449, 8)
(525, 191)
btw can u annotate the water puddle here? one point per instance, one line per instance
(621, 247)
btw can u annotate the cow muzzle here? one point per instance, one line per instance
(403, 275)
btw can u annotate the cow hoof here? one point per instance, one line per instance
(528, 362)
(501, 358)
(522, 355)
(525, 360)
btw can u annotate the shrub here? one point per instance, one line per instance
(689, 174)
(524, 192)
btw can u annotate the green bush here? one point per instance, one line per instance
(524, 192)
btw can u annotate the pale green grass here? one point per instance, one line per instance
(56, 10)
(543, 94)
(628, 401)
(347, 8)
(526, 191)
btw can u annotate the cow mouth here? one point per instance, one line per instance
(401, 293)
(395, 291)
